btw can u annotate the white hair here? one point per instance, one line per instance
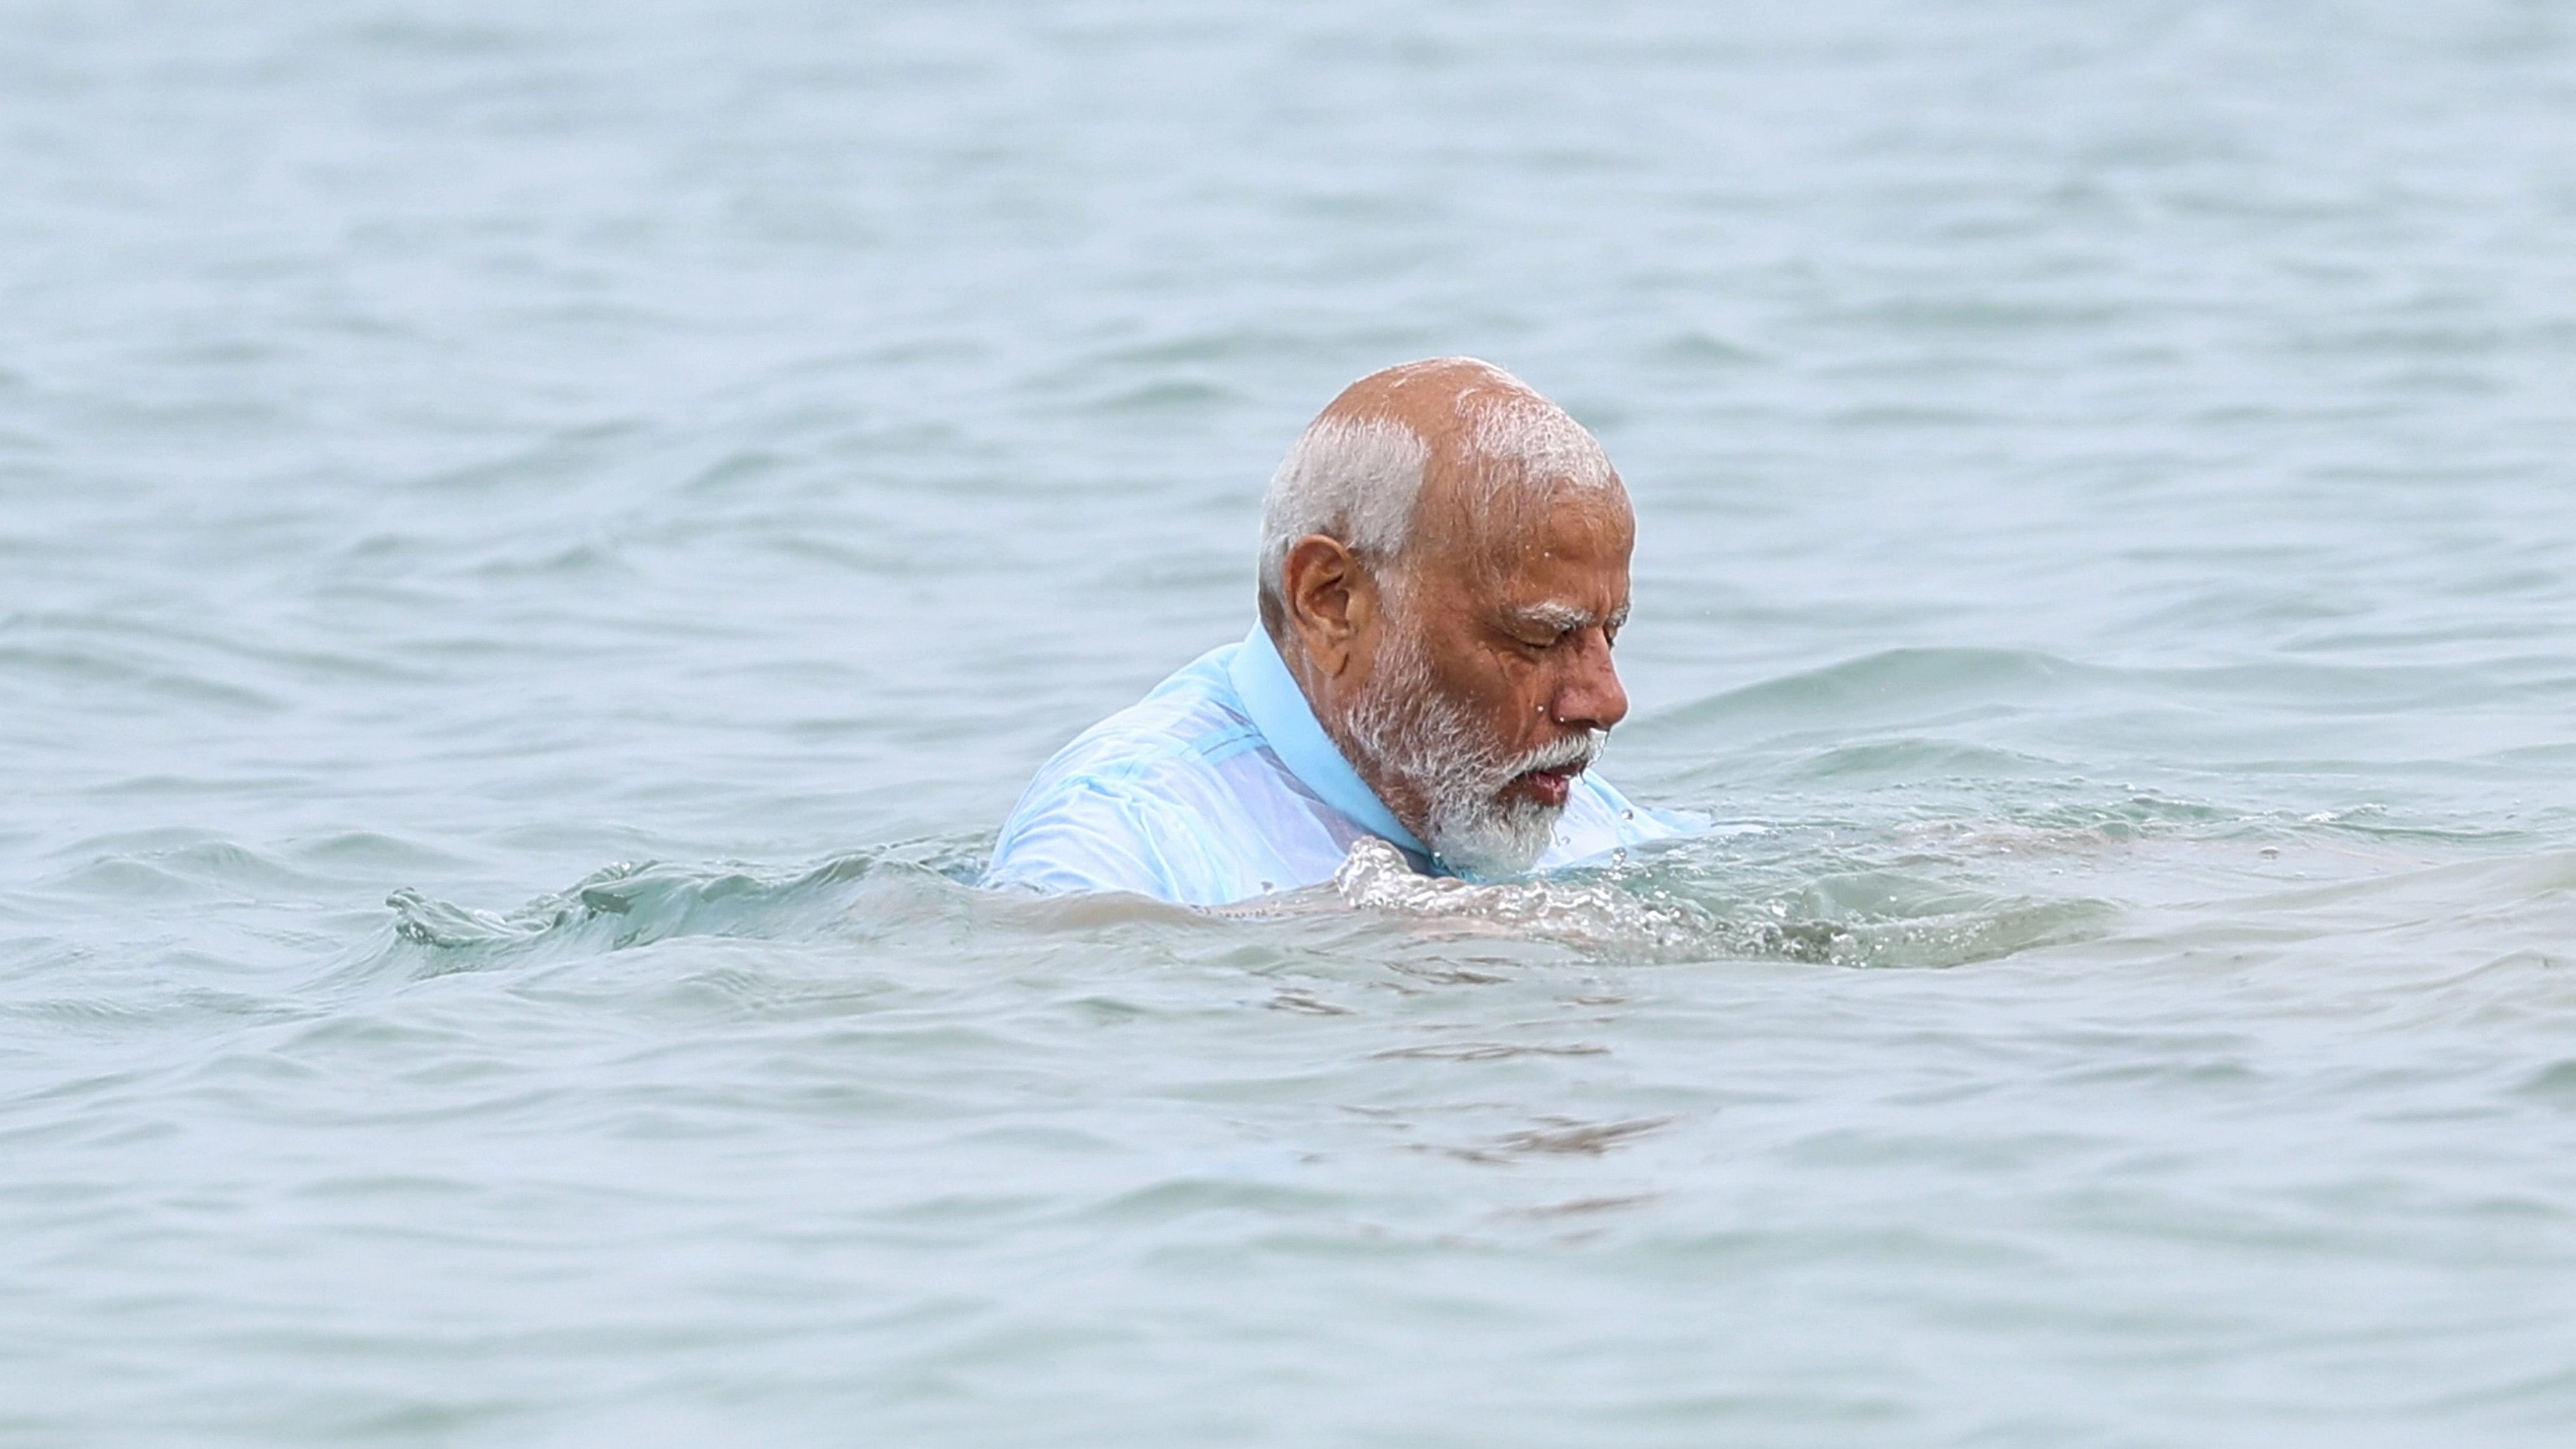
(1357, 479)
(1354, 479)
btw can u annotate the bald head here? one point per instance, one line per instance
(1449, 445)
(1444, 568)
(1476, 418)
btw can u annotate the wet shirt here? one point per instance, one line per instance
(1220, 785)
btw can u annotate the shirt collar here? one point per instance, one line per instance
(1279, 710)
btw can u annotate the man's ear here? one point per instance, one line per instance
(1331, 599)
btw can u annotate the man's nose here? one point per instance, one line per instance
(1590, 696)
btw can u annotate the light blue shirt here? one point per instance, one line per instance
(1220, 786)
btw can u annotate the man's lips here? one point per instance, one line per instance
(1551, 787)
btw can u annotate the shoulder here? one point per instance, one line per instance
(1123, 807)
(1179, 728)
(1093, 833)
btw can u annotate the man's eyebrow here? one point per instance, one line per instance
(1563, 618)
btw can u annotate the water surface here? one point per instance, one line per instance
(537, 545)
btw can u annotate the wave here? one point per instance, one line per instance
(1888, 688)
(1706, 900)
(625, 905)
(1915, 688)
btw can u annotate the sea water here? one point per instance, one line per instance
(537, 543)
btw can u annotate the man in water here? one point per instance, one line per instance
(1443, 571)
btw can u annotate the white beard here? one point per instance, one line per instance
(1411, 730)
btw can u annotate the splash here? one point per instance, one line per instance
(1653, 913)
(1376, 877)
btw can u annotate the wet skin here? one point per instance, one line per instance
(1516, 604)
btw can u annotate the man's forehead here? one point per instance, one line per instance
(1491, 505)
(1523, 531)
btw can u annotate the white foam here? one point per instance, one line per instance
(1375, 876)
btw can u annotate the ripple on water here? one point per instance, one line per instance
(2102, 481)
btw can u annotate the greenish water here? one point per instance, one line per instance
(641, 488)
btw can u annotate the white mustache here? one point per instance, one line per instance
(1573, 752)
